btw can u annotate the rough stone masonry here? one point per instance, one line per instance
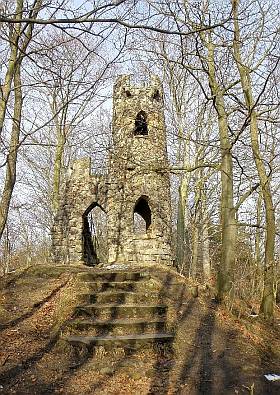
(137, 183)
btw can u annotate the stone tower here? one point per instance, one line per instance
(138, 181)
(137, 184)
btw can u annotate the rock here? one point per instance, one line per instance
(135, 375)
(107, 370)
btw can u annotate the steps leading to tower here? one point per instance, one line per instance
(118, 310)
(110, 341)
(119, 296)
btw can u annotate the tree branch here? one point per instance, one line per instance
(246, 195)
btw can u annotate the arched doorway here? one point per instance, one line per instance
(142, 216)
(94, 235)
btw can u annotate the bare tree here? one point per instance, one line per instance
(19, 39)
(245, 71)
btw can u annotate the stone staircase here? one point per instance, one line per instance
(117, 309)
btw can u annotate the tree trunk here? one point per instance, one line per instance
(227, 210)
(269, 290)
(269, 294)
(19, 41)
(205, 234)
(196, 225)
(195, 247)
(6, 87)
(182, 245)
(7, 251)
(258, 231)
(60, 119)
(206, 252)
(58, 165)
(10, 177)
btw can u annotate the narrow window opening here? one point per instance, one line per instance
(156, 95)
(126, 93)
(142, 216)
(141, 127)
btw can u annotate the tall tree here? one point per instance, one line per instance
(245, 72)
(19, 39)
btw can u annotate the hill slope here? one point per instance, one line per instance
(213, 351)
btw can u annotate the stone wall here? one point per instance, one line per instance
(82, 192)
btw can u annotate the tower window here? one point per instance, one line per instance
(141, 127)
(126, 93)
(156, 95)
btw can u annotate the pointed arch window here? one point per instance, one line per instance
(142, 216)
(141, 126)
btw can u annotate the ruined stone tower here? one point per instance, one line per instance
(137, 185)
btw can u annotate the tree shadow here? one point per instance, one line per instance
(165, 355)
(36, 306)
(9, 376)
(199, 361)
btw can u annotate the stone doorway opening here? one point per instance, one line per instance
(142, 216)
(94, 235)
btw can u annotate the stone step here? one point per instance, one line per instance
(116, 326)
(119, 341)
(114, 276)
(101, 286)
(112, 311)
(114, 296)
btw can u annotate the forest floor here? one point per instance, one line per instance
(214, 351)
